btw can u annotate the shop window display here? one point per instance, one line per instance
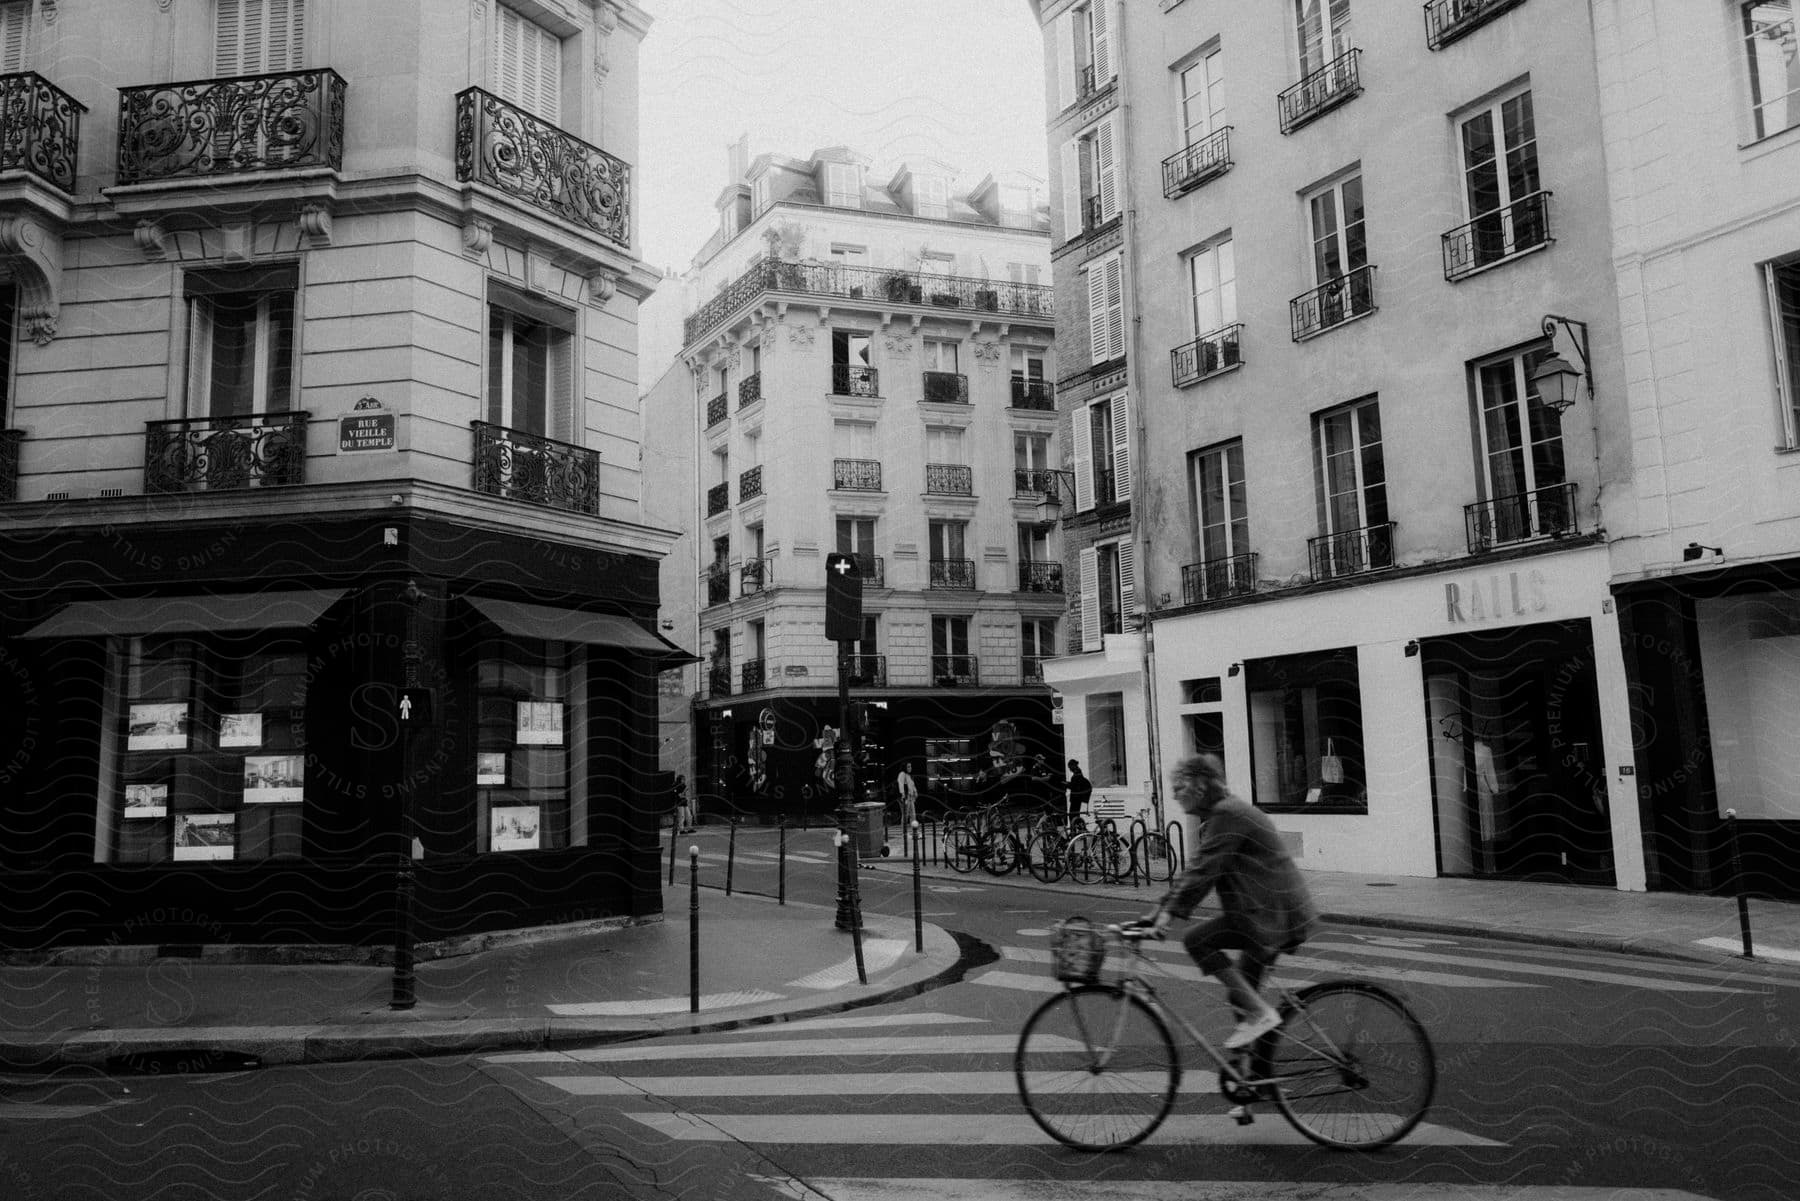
(522, 756)
(1306, 734)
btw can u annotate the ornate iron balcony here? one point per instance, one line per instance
(1496, 236)
(715, 410)
(753, 674)
(718, 679)
(9, 463)
(1091, 210)
(1547, 512)
(856, 475)
(1086, 84)
(1028, 481)
(1350, 552)
(505, 147)
(1032, 394)
(1209, 354)
(1031, 668)
(865, 671)
(946, 387)
(756, 575)
(718, 585)
(749, 390)
(1332, 303)
(718, 499)
(40, 129)
(949, 479)
(1447, 20)
(1040, 576)
(848, 380)
(870, 284)
(953, 573)
(1335, 83)
(955, 671)
(213, 454)
(872, 567)
(247, 123)
(1192, 166)
(1218, 578)
(750, 484)
(531, 467)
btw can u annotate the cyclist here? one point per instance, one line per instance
(1266, 906)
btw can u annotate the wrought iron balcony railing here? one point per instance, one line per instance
(872, 284)
(955, 671)
(754, 672)
(952, 573)
(1447, 20)
(949, 479)
(1332, 303)
(718, 585)
(1034, 481)
(213, 454)
(503, 146)
(1086, 85)
(10, 441)
(1033, 394)
(749, 484)
(749, 390)
(865, 671)
(1040, 576)
(872, 567)
(848, 380)
(1215, 579)
(716, 410)
(1335, 83)
(946, 387)
(1209, 354)
(1194, 165)
(1031, 668)
(1494, 237)
(856, 475)
(1547, 512)
(530, 467)
(756, 575)
(718, 679)
(40, 129)
(248, 123)
(1349, 552)
(1091, 212)
(718, 499)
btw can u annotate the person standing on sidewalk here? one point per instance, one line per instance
(1080, 790)
(909, 797)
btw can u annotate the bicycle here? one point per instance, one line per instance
(983, 839)
(1099, 856)
(1047, 845)
(1350, 1067)
(1153, 856)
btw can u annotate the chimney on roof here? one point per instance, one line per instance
(737, 158)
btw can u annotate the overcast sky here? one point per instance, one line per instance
(957, 80)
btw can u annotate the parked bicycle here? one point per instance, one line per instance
(983, 838)
(1098, 856)
(1097, 1068)
(1046, 848)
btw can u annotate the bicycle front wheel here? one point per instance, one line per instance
(1151, 855)
(962, 848)
(1096, 1068)
(1046, 854)
(1082, 858)
(1350, 1067)
(1003, 854)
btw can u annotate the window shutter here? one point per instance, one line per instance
(228, 37)
(1105, 139)
(1099, 343)
(1103, 59)
(15, 36)
(1062, 32)
(1784, 382)
(259, 37)
(1121, 436)
(1115, 306)
(286, 23)
(1127, 582)
(1071, 181)
(561, 384)
(1090, 598)
(528, 65)
(1080, 434)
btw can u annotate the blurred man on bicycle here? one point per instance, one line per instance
(1266, 906)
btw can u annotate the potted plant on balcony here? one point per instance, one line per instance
(899, 287)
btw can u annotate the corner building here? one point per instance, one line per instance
(322, 549)
(869, 361)
(1370, 554)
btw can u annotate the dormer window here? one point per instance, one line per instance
(931, 196)
(843, 185)
(759, 195)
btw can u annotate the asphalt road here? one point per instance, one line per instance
(1579, 1076)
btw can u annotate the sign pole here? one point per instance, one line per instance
(843, 625)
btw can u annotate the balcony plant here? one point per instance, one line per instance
(900, 287)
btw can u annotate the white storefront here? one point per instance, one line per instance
(1467, 721)
(1104, 724)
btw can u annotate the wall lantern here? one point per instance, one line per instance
(1555, 377)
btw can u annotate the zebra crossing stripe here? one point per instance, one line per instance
(1781, 954)
(652, 1005)
(838, 1084)
(850, 1188)
(984, 1130)
(1306, 963)
(1636, 980)
(878, 954)
(864, 1020)
(955, 1044)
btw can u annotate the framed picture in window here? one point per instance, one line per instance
(513, 827)
(240, 730)
(158, 727)
(490, 768)
(273, 780)
(540, 723)
(146, 800)
(205, 835)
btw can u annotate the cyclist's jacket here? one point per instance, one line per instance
(1242, 856)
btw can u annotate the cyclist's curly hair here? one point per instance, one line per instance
(1201, 769)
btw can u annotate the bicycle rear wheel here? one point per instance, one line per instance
(962, 848)
(1152, 855)
(1096, 1068)
(1350, 1067)
(1003, 854)
(1046, 853)
(1082, 858)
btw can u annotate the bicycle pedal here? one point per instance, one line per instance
(1241, 1114)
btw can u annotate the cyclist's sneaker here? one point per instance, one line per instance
(1251, 1029)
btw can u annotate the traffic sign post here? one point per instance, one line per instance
(843, 625)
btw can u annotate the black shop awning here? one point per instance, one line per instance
(187, 614)
(525, 620)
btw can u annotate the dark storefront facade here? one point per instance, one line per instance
(231, 732)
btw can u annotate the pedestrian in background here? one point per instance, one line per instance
(684, 807)
(1080, 789)
(909, 797)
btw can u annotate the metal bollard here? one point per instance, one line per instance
(781, 862)
(674, 836)
(1737, 882)
(693, 929)
(730, 856)
(918, 850)
(845, 850)
(1177, 834)
(1138, 830)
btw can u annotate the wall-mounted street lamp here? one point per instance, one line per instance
(1695, 550)
(1555, 378)
(1057, 484)
(1234, 669)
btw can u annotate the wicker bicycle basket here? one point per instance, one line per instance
(1077, 949)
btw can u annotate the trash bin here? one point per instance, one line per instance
(871, 830)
